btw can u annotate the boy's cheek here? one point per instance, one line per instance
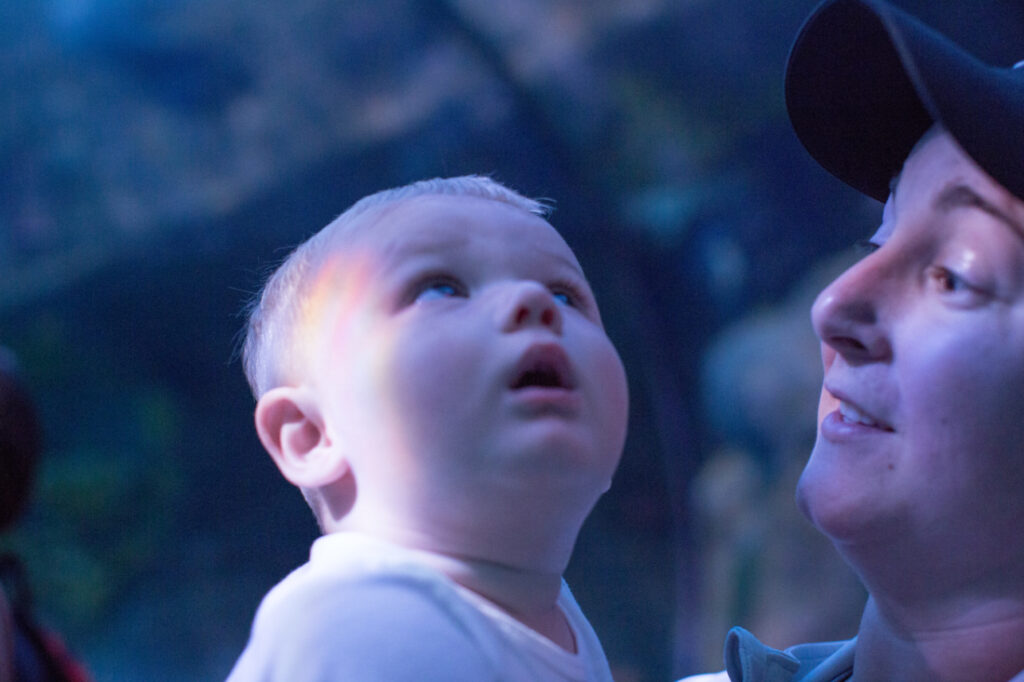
(612, 387)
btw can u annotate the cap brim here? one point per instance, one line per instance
(865, 81)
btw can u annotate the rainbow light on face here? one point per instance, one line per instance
(331, 305)
(349, 352)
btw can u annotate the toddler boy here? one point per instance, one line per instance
(432, 372)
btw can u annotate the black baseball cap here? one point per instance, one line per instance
(865, 80)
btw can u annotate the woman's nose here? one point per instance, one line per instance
(531, 305)
(847, 315)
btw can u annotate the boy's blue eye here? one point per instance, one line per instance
(434, 289)
(568, 294)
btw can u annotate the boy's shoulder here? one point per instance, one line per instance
(351, 577)
(363, 610)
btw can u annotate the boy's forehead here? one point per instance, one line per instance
(447, 224)
(362, 257)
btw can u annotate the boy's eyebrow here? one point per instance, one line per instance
(961, 195)
(566, 261)
(400, 247)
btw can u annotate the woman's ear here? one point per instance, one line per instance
(292, 430)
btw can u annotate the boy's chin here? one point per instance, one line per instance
(566, 483)
(567, 456)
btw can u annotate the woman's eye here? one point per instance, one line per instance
(948, 281)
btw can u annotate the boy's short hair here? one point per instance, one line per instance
(268, 352)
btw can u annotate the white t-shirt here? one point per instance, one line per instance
(363, 610)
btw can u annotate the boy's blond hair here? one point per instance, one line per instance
(269, 355)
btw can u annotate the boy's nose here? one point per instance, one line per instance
(532, 305)
(847, 316)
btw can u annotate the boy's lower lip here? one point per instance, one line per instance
(553, 397)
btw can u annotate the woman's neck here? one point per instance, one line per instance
(979, 640)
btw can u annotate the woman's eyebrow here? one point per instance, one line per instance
(961, 196)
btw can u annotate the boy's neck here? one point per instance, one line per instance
(531, 597)
(524, 583)
(513, 560)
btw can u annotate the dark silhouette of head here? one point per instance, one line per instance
(21, 442)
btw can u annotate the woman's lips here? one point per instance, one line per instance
(847, 417)
(851, 413)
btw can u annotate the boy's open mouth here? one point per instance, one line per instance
(543, 366)
(542, 376)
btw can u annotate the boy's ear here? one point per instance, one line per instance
(292, 429)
